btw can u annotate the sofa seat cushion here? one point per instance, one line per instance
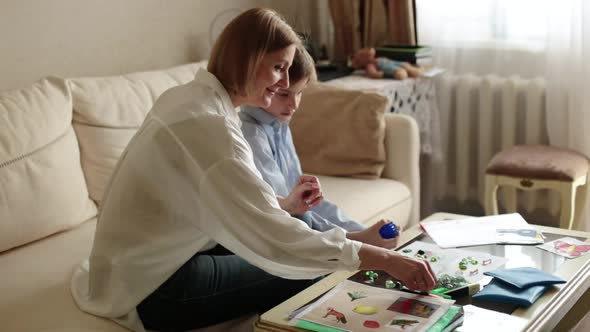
(35, 281)
(42, 187)
(109, 110)
(36, 294)
(367, 201)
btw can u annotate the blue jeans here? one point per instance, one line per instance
(212, 287)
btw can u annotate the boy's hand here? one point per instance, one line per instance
(306, 194)
(372, 236)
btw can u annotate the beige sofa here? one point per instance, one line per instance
(59, 141)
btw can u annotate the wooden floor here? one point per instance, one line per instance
(584, 325)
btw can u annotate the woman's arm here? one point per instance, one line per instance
(240, 212)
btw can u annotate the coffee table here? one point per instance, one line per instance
(559, 309)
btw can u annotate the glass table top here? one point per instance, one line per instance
(518, 255)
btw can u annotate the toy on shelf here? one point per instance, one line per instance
(380, 67)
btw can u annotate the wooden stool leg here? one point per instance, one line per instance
(491, 199)
(510, 199)
(581, 194)
(568, 205)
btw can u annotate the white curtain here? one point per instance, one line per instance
(504, 37)
(568, 77)
(528, 38)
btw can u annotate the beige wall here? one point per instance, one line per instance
(104, 37)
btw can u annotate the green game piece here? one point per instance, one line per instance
(372, 276)
(474, 261)
(389, 284)
(433, 259)
(439, 290)
(407, 251)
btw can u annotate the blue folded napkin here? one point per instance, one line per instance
(499, 291)
(521, 286)
(524, 277)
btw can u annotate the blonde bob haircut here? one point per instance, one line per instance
(238, 51)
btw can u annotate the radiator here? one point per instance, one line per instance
(480, 116)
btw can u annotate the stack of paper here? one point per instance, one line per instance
(472, 231)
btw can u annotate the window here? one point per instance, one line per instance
(484, 23)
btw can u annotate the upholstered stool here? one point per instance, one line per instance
(530, 167)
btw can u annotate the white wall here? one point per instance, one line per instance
(91, 37)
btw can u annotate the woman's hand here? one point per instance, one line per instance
(371, 236)
(413, 273)
(306, 194)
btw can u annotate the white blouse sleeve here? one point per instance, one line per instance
(241, 213)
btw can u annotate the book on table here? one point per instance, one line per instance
(358, 306)
(415, 54)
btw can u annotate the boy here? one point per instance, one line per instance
(267, 131)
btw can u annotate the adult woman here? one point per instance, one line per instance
(187, 182)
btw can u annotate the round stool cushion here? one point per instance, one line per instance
(539, 162)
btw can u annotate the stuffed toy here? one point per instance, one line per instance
(383, 67)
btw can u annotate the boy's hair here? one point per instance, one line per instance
(303, 67)
(239, 50)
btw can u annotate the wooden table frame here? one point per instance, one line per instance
(559, 309)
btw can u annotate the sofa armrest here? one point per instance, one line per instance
(402, 146)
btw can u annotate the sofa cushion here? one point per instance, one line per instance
(39, 298)
(109, 110)
(367, 201)
(340, 132)
(43, 188)
(36, 295)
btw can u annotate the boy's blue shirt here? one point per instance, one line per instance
(276, 159)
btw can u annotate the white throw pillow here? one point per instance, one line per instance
(42, 187)
(109, 110)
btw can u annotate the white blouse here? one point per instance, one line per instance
(186, 182)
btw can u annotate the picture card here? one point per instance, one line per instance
(567, 247)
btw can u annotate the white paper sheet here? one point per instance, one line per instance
(472, 231)
(483, 320)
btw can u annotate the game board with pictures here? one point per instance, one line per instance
(454, 263)
(353, 306)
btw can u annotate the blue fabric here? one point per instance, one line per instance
(524, 277)
(276, 160)
(388, 66)
(499, 291)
